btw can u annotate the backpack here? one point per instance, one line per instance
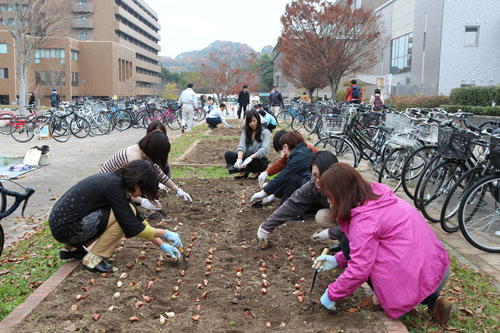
(356, 92)
(53, 98)
(377, 103)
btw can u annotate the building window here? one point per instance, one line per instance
(471, 36)
(74, 55)
(82, 35)
(401, 50)
(82, 18)
(5, 8)
(74, 79)
(356, 4)
(4, 73)
(49, 54)
(81, 3)
(50, 78)
(3, 48)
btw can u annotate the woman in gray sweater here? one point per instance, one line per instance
(252, 151)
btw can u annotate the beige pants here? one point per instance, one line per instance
(275, 110)
(322, 219)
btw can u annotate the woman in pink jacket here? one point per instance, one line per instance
(391, 247)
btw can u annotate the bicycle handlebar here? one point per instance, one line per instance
(20, 197)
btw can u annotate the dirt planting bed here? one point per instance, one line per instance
(223, 131)
(222, 288)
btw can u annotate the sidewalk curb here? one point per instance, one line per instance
(30, 303)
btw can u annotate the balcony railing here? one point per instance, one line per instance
(77, 23)
(82, 38)
(82, 7)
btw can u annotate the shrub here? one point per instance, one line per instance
(401, 103)
(340, 96)
(475, 96)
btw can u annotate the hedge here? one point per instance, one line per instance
(475, 96)
(403, 102)
(478, 110)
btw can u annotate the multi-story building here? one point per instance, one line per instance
(109, 47)
(433, 46)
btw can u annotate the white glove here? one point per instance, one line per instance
(262, 178)
(184, 195)
(329, 262)
(150, 205)
(246, 162)
(262, 235)
(268, 199)
(237, 165)
(257, 196)
(321, 235)
(162, 187)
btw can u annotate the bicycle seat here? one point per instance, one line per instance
(386, 129)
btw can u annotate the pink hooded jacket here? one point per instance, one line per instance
(392, 244)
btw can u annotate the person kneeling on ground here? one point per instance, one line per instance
(307, 199)
(252, 151)
(155, 125)
(270, 121)
(278, 166)
(390, 246)
(294, 175)
(215, 117)
(99, 209)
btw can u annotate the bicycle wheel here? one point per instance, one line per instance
(103, 124)
(286, 118)
(341, 148)
(5, 121)
(59, 129)
(122, 120)
(199, 115)
(391, 170)
(150, 117)
(22, 129)
(479, 216)
(448, 220)
(173, 121)
(3, 206)
(310, 122)
(79, 127)
(436, 186)
(298, 121)
(413, 167)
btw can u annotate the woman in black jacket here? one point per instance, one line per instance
(295, 174)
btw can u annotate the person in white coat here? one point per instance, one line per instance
(189, 103)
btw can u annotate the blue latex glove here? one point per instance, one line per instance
(329, 262)
(172, 251)
(173, 238)
(325, 301)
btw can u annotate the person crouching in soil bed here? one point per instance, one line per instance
(251, 154)
(390, 246)
(100, 209)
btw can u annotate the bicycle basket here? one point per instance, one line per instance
(151, 106)
(428, 133)
(454, 143)
(121, 106)
(372, 118)
(495, 151)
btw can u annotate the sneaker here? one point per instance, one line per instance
(441, 311)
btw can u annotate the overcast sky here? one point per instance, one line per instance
(188, 25)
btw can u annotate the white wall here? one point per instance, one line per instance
(460, 64)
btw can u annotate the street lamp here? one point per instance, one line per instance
(83, 82)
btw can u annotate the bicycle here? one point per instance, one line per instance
(4, 212)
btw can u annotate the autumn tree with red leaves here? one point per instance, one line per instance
(225, 74)
(329, 39)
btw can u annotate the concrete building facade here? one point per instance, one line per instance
(109, 47)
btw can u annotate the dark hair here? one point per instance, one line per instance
(258, 106)
(222, 105)
(155, 125)
(353, 81)
(275, 86)
(346, 189)
(209, 97)
(142, 173)
(156, 147)
(323, 159)
(304, 93)
(248, 130)
(190, 85)
(262, 112)
(276, 140)
(245, 86)
(292, 139)
(377, 91)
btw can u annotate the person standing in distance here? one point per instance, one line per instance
(189, 103)
(54, 98)
(243, 101)
(275, 100)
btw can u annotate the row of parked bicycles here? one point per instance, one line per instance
(447, 166)
(91, 118)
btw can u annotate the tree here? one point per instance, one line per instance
(200, 83)
(170, 91)
(302, 74)
(33, 22)
(266, 67)
(333, 38)
(168, 76)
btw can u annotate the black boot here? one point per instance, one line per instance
(79, 253)
(102, 267)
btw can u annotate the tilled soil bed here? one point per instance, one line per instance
(220, 291)
(212, 152)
